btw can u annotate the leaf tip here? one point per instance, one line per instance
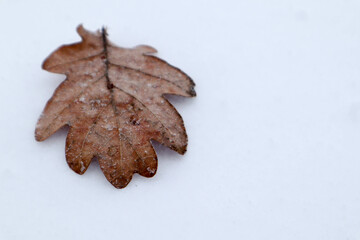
(78, 169)
(192, 92)
(181, 150)
(85, 34)
(120, 182)
(80, 29)
(38, 137)
(145, 49)
(45, 64)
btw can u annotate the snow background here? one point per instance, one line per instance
(274, 132)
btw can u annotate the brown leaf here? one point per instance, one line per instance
(113, 100)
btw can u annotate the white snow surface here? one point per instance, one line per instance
(274, 133)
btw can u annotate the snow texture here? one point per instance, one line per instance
(274, 132)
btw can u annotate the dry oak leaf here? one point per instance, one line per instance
(113, 102)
